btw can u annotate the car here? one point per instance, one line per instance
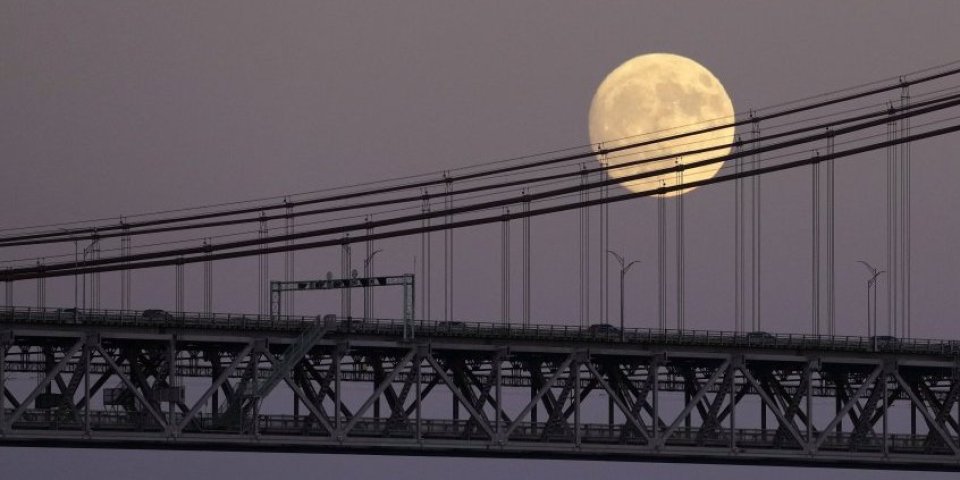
(760, 337)
(880, 341)
(451, 326)
(603, 329)
(156, 314)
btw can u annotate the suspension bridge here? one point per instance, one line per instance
(125, 375)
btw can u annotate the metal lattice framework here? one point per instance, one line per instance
(118, 379)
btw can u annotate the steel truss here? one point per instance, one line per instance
(334, 386)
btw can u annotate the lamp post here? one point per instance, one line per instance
(367, 297)
(624, 268)
(872, 286)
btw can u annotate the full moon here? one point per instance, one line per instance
(654, 96)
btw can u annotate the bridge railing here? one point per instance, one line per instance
(490, 330)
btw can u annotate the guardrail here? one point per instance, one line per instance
(479, 330)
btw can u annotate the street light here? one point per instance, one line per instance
(367, 294)
(872, 285)
(624, 268)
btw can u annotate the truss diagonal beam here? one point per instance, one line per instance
(618, 401)
(133, 388)
(775, 408)
(846, 407)
(947, 439)
(694, 401)
(224, 375)
(537, 397)
(400, 365)
(18, 412)
(480, 419)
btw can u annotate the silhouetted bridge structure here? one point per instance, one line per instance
(247, 382)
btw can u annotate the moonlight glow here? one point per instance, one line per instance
(654, 96)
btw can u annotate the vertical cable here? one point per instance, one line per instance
(738, 226)
(8, 293)
(662, 258)
(178, 286)
(527, 294)
(505, 268)
(584, 250)
(830, 241)
(815, 247)
(263, 268)
(41, 287)
(604, 248)
(680, 249)
(893, 280)
(95, 277)
(346, 302)
(208, 279)
(905, 223)
(125, 275)
(425, 262)
(289, 259)
(368, 271)
(755, 237)
(448, 252)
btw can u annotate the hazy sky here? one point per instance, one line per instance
(113, 108)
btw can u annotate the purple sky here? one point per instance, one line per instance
(113, 108)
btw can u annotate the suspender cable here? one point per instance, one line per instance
(815, 248)
(289, 260)
(604, 248)
(425, 253)
(906, 212)
(739, 268)
(448, 254)
(158, 259)
(505, 268)
(893, 257)
(208, 284)
(346, 301)
(178, 286)
(526, 252)
(263, 269)
(755, 237)
(830, 241)
(680, 252)
(662, 259)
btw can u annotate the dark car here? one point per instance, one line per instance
(885, 341)
(156, 314)
(451, 326)
(760, 337)
(603, 329)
